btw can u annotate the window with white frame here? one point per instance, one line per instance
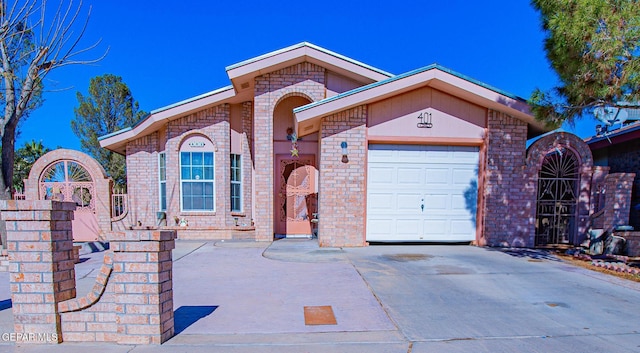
(197, 181)
(236, 183)
(162, 177)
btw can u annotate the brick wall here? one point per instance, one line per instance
(42, 272)
(142, 180)
(92, 318)
(598, 200)
(142, 170)
(618, 188)
(342, 194)
(132, 299)
(142, 276)
(507, 212)
(304, 79)
(626, 159)
(247, 163)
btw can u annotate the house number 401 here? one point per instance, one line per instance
(425, 120)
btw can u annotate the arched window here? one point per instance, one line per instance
(197, 174)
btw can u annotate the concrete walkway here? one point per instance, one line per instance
(249, 297)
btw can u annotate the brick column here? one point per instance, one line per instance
(143, 285)
(40, 245)
(508, 191)
(342, 192)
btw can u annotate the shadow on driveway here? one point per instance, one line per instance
(534, 254)
(186, 315)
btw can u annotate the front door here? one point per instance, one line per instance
(296, 198)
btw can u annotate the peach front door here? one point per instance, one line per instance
(296, 196)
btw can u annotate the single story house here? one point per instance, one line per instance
(306, 141)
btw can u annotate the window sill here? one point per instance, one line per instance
(196, 213)
(238, 214)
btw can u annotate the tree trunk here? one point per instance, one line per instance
(6, 175)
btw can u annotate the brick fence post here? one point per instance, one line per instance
(40, 245)
(143, 285)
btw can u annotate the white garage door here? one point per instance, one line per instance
(422, 193)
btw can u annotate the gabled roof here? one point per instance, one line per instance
(117, 141)
(436, 76)
(242, 78)
(242, 74)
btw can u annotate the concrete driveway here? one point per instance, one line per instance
(462, 298)
(249, 297)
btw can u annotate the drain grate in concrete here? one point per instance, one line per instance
(319, 315)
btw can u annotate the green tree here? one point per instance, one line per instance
(25, 157)
(594, 47)
(108, 107)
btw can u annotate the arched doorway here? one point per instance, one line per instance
(68, 180)
(557, 201)
(295, 173)
(73, 176)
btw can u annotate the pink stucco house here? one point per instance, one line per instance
(305, 134)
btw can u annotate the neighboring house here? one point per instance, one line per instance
(429, 155)
(619, 150)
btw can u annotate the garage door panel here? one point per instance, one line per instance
(463, 176)
(437, 176)
(436, 202)
(401, 178)
(384, 202)
(381, 225)
(409, 176)
(408, 227)
(408, 202)
(435, 227)
(459, 203)
(463, 227)
(381, 175)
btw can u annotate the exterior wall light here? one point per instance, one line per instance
(343, 145)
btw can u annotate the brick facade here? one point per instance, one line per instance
(507, 191)
(142, 180)
(303, 79)
(342, 195)
(625, 158)
(143, 169)
(618, 188)
(508, 172)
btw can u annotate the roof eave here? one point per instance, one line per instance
(117, 141)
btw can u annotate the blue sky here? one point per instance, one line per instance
(168, 51)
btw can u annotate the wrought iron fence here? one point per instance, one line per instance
(118, 202)
(18, 196)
